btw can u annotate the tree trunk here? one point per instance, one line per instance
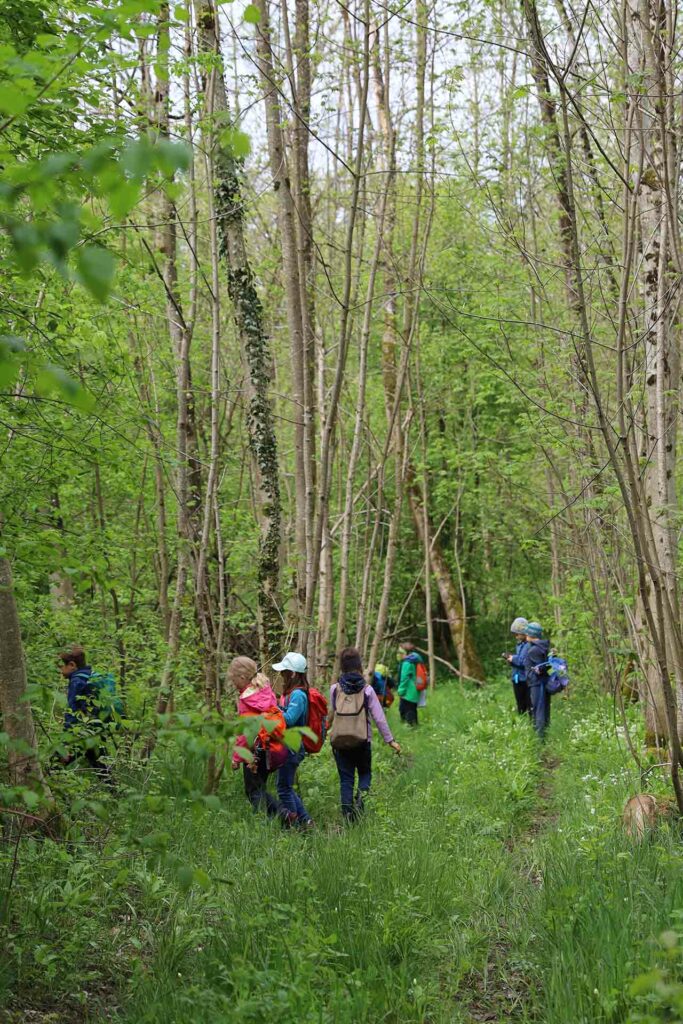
(660, 295)
(254, 342)
(294, 290)
(15, 708)
(393, 380)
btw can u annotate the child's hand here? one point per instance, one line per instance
(395, 746)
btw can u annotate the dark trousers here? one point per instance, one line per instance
(256, 787)
(521, 692)
(358, 759)
(407, 709)
(92, 754)
(286, 775)
(540, 707)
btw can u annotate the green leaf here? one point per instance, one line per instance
(236, 141)
(201, 878)
(9, 370)
(172, 156)
(54, 378)
(645, 983)
(212, 802)
(137, 159)
(252, 15)
(96, 271)
(123, 199)
(15, 98)
(31, 799)
(185, 876)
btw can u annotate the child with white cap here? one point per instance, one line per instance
(294, 706)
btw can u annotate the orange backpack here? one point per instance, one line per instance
(421, 677)
(271, 741)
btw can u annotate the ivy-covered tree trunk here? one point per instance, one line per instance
(248, 312)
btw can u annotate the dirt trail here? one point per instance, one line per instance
(501, 991)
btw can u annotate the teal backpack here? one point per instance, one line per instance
(108, 703)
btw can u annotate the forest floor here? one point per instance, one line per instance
(490, 881)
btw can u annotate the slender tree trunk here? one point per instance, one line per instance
(254, 342)
(15, 708)
(393, 380)
(294, 290)
(660, 295)
(188, 490)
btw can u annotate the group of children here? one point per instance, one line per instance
(529, 672)
(354, 703)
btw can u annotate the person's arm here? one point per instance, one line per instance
(296, 708)
(375, 709)
(517, 661)
(535, 657)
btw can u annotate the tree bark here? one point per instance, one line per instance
(248, 313)
(294, 290)
(15, 708)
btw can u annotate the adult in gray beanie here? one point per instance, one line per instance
(516, 660)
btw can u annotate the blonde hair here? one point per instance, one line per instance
(242, 672)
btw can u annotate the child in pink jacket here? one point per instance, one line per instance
(256, 697)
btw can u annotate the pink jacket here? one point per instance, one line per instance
(253, 702)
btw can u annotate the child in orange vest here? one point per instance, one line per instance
(256, 697)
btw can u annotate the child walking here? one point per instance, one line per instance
(353, 703)
(256, 697)
(294, 705)
(408, 692)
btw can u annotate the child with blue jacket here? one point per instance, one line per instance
(535, 665)
(294, 706)
(520, 686)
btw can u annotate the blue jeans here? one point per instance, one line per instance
(540, 707)
(358, 759)
(289, 798)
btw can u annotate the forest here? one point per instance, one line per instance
(335, 338)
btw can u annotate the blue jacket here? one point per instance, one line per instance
(79, 696)
(518, 669)
(536, 654)
(295, 708)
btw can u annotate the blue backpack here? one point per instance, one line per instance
(558, 674)
(108, 704)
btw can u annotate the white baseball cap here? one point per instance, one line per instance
(292, 661)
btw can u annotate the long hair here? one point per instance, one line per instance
(294, 681)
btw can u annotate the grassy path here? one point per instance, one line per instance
(489, 882)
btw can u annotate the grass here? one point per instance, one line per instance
(481, 886)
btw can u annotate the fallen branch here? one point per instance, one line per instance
(451, 668)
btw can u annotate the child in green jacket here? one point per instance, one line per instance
(408, 692)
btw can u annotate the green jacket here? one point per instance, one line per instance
(407, 678)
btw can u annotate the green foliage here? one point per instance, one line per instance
(162, 896)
